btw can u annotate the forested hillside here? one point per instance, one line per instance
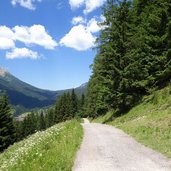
(67, 107)
(133, 55)
(25, 97)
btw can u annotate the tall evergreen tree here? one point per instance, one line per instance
(33, 121)
(73, 104)
(60, 109)
(42, 122)
(82, 101)
(133, 54)
(19, 130)
(50, 118)
(7, 130)
(111, 59)
(66, 107)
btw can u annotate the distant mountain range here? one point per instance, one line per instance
(24, 97)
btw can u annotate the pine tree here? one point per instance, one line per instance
(73, 104)
(26, 126)
(42, 123)
(104, 90)
(33, 121)
(18, 130)
(49, 118)
(82, 101)
(7, 129)
(133, 55)
(149, 48)
(63, 107)
(58, 117)
(68, 105)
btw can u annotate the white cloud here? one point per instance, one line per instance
(90, 5)
(81, 37)
(6, 38)
(22, 53)
(25, 3)
(6, 32)
(78, 20)
(93, 26)
(35, 34)
(76, 3)
(6, 43)
(78, 38)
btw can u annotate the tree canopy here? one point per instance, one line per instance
(133, 54)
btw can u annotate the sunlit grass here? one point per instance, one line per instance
(103, 118)
(50, 150)
(149, 122)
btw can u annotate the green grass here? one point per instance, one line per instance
(103, 118)
(148, 122)
(50, 150)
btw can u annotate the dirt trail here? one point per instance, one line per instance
(106, 148)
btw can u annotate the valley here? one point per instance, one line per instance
(24, 97)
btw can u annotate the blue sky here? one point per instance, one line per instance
(48, 43)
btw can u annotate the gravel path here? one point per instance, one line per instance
(106, 148)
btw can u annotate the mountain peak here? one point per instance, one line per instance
(84, 85)
(3, 72)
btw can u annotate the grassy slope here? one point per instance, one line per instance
(50, 150)
(149, 122)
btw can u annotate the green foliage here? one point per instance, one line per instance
(82, 101)
(74, 103)
(66, 107)
(133, 55)
(49, 117)
(7, 131)
(81, 107)
(42, 122)
(69, 106)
